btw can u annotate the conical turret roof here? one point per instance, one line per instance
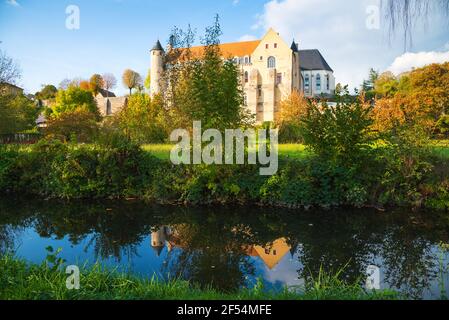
(158, 46)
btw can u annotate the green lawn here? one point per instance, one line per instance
(293, 151)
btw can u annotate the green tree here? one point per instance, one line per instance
(17, 114)
(143, 119)
(207, 88)
(339, 134)
(48, 92)
(386, 85)
(72, 99)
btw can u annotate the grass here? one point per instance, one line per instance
(293, 151)
(20, 280)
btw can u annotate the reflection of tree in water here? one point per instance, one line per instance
(8, 238)
(343, 241)
(409, 262)
(211, 255)
(212, 242)
(112, 230)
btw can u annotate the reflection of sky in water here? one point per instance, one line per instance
(276, 263)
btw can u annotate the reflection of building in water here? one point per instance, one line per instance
(159, 238)
(271, 254)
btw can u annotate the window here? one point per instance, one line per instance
(267, 46)
(261, 58)
(278, 78)
(259, 90)
(318, 82)
(108, 108)
(327, 82)
(246, 60)
(275, 45)
(236, 60)
(271, 62)
(241, 60)
(306, 82)
(246, 77)
(245, 100)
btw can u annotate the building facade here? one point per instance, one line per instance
(270, 69)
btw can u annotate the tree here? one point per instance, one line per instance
(205, 88)
(64, 84)
(109, 82)
(17, 114)
(292, 110)
(9, 70)
(48, 92)
(96, 83)
(368, 85)
(147, 83)
(131, 80)
(78, 124)
(143, 119)
(339, 134)
(72, 99)
(83, 84)
(386, 85)
(419, 98)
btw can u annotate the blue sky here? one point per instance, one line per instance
(117, 34)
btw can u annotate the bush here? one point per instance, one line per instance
(75, 126)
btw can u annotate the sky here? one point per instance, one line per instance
(113, 35)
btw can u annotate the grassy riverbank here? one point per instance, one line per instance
(21, 280)
(397, 176)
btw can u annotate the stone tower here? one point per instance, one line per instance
(157, 68)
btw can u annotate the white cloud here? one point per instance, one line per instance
(235, 2)
(408, 61)
(339, 30)
(13, 3)
(247, 37)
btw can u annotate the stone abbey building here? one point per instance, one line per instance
(270, 68)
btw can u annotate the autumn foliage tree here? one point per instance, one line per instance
(131, 80)
(96, 83)
(419, 97)
(288, 121)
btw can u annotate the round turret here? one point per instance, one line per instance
(157, 68)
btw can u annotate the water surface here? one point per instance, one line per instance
(232, 247)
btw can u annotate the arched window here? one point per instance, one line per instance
(246, 77)
(271, 62)
(318, 82)
(327, 82)
(108, 108)
(306, 82)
